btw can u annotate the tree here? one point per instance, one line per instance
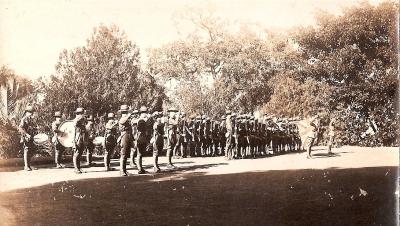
(100, 77)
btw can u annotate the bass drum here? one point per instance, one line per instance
(66, 136)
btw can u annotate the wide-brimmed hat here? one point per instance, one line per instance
(110, 115)
(228, 112)
(79, 111)
(57, 114)
(124, 108)
(90, 118)
(135, 112)
(29, 109)
(172, 110)
(143, 109)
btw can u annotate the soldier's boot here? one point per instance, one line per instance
(329, 149)
(132, 163)
(77, 163)
(169, 156)
(27, 161)
(57, 159)
(89, 158)
(139, 165)
(122, 165)
(156, 168)
(106, 161)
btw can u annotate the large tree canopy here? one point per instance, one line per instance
(101, 76)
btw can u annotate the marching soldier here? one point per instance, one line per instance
(125, 140)
(133, 153)
(189, 136)
(79, 139)
(27, 130)
(58, 148)
(91, 134)
(229, 135)
(196, 136)
(171, 136)
(157, 141)
(221, 135)
(142, 138)
(110, 139)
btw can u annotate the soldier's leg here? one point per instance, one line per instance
(140, 151)
(133, 154)
(123, 159)
(77, 159)
(58, 155)
(27, 158)
(89, 154)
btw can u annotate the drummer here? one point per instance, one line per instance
(27, 130)
(58, 148)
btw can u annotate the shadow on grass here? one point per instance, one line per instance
(362, 196)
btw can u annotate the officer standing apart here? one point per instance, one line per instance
(314, 124)
(331, 135)
(27, 130)
(58, 148)
(79, 139)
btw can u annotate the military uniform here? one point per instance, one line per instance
(27, 130)
(79, 139)
(58, 148)
(110, 140)
(125, 140)
(142, 138)
(157, 142)
(331, 135)
(91, 134)
(171, 136)
(314, 123)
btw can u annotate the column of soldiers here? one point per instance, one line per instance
(134, 133)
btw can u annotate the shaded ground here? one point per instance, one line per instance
(202, 193)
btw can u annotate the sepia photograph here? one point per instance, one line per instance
(199, 112)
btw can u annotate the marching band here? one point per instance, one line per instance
(136, 132)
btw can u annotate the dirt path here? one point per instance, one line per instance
(346, 157)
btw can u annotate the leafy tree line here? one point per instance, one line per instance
(346, 66)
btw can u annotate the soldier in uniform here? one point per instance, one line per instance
(157, 141)
(178, 150)
(79, 139)
(221, 134)
(216, 150)
(171, 135)
(331, 135)
(142, 137)
(312, 135)
(91, 134)
(189, 136)
(207, 136)
(58, 148)
(134, 119)
(27, 130)
(229, 135)
(196, 136)
(125, 140)
(110, 139)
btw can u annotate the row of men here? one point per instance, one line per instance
(137, 132)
